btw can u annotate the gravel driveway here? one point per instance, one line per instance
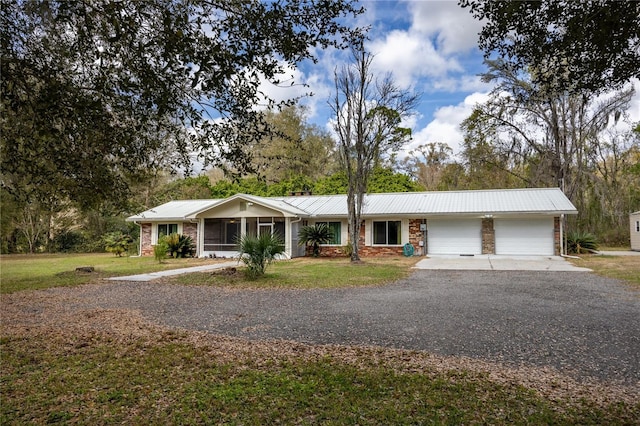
(579, 323)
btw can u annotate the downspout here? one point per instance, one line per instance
(563, 248)
(291, 236)
(139, 240)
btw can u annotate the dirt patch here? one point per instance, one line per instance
(226, 272)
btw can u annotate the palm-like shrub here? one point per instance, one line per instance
(257, 252)
(117, 243)
(179, 245)
(314, 236)
(581, 242)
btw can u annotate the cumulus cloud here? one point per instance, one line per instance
(445, 126)
(409, 57)
(453, 27)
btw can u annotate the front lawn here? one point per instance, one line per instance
(64, 365)
(309, 273)
(625, 268)
(63, 377)
(33, 272)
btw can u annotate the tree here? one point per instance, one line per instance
(368, 117)
(549, 139)
(96, 94)
(315, 235)
(427, 162)
(293, 149)
(593, 46)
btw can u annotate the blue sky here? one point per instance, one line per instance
(430, 45)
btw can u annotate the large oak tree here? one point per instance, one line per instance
(577, 46)
(95, 93)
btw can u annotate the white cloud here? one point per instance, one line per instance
(445, 126)
(409, 56)
(455, 29)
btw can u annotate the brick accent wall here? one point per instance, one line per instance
(415, 236)
(488, 236)
(191, 230)
(145, 237)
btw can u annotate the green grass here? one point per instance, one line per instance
(309, 273)
(626, 268)
(33, 272)
(99, 380)
(88, 375)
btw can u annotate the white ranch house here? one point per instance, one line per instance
(501, 221)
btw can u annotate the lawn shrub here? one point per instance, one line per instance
(257, 252)
(581, 242)
(179, 246)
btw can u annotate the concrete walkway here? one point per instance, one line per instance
(487, 262)
(155, 275)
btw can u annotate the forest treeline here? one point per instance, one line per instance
(301, 157)
(106, 106)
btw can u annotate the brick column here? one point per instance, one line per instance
(488, 236)
(556, 236)
(191, 230)
(145, 237)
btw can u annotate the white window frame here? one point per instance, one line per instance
(155, 232)
(373, 234)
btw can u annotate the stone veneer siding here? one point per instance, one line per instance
(145, 238)
(556, 236)
(488, 236)
(191, 230)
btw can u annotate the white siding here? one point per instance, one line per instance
(454, 236)
(532, 236)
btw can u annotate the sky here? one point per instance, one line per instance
(426, 44)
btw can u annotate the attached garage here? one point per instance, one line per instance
(454, 236)
(533, 236)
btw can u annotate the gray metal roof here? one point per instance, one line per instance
(536, 200)
(417, 204)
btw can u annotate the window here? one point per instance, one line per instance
(167, 229)
(387, 233)
(336, 231)
(637, 225)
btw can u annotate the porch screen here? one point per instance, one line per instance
(221, 234)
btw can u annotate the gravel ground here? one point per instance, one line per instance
(577, 323)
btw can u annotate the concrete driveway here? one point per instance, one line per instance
(488, 262)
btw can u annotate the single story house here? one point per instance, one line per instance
(634, 224)
(501, 221)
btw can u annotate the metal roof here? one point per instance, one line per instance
(537, 200)
(174, 210)
(495, 201)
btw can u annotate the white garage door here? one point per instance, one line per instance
(524, 236)
(455, 236)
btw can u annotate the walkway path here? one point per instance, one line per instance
(155, 275)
